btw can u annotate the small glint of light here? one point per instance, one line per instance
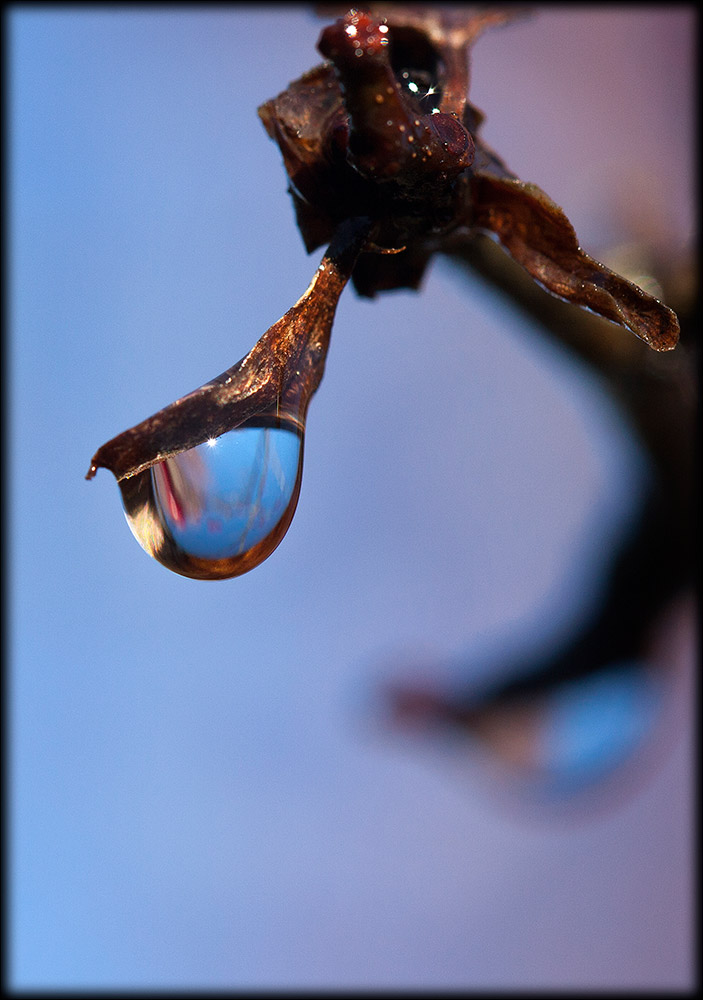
(648, 283)
(383, 28)
(413, 86)
(212, 442)
(351, 30)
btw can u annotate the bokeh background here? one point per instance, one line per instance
(200, 796)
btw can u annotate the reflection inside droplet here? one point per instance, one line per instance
(219, 509)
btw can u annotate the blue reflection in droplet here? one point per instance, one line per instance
(592, 726)
(225, 496)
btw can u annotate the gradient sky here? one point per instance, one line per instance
(199, 797)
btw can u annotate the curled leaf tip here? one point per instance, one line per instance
(282, 371)
(537, 234)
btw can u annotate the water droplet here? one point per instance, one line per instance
(218, 510)
(577, 735)
(591, 727)
(568, 743)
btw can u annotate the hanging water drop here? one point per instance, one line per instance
(216, 507)
(219, 509)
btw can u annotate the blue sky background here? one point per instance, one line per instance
(198, 795)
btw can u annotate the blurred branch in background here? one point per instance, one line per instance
(616, 656)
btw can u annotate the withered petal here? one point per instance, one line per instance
(538, 235)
